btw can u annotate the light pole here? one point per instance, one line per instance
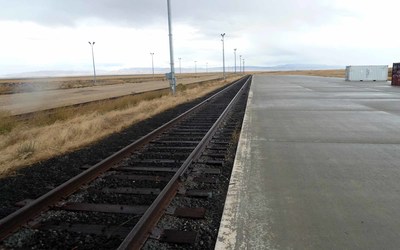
(243, 65)
(240, 64)
(234, 51)
(180, 67)
(171, 76)
(152, 63)
(195, 67)
(94, 67)
(223, 53)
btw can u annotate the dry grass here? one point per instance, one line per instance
(102, 107)
(5, 89)
(18, 85)
(325, 73)
(70, 129)
(7, 122)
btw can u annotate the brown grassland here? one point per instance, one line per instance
(325, 73)
(47, 135)
(19, 85)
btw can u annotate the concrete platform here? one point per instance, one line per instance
(317, 167)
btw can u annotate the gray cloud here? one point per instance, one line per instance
(256, 19)
(269, 29)
(207, 15)
(71, 12)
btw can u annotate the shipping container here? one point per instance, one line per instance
(396, 74)
(367, 73)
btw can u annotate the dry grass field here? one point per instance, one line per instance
(45, 136)
(324, 73)
(19, 85)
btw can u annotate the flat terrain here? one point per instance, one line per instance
(317, 167)
(35, 94)
(341, 73)
(41, 99)
(325, 73)
(20, 85)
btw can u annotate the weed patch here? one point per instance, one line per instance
(7, 122)
(26, 150)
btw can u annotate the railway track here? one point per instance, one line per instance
(121, 199)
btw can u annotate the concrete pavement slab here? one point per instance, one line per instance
(317, 167)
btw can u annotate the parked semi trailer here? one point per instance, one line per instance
(367, 73)
(396, 74)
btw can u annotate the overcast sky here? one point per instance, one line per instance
(41, 35)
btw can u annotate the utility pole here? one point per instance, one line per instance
(235, 58)
(152, 63)
(94, 66)
(171, 75)
(243, 65)
(240, 64)
(180, 67)
(223, 53)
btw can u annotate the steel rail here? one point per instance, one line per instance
(14, 221)
(139, 234)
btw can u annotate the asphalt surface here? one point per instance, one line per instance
(317, 167)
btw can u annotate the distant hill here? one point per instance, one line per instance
(54, 73)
